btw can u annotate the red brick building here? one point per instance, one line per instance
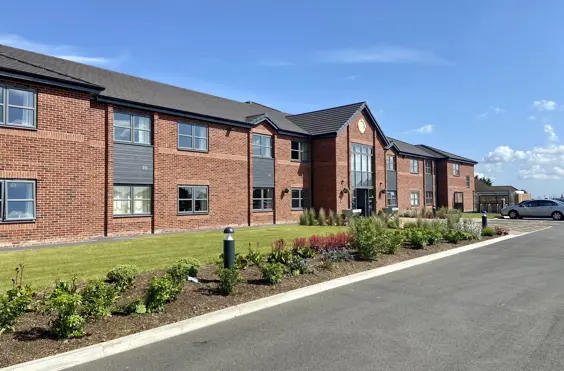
(87, 152)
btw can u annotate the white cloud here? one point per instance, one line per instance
(350, 78)
(551, 134)
(545, 105)
(491, 111)
(382, 54)
(69, 52)
(274, 63)
(532, 118)
(426, 129)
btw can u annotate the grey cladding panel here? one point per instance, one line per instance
(133, 164)
(263, 172)
(428, 182)
(392, 181)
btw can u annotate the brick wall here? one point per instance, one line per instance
(66, 156)
(450, 184)
(325, 187)
(408, 182)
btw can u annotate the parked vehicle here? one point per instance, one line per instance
(535, 209)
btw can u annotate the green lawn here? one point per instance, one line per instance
(479, 215)
(43, 266)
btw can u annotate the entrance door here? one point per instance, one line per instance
(458, 201)
(364, 201)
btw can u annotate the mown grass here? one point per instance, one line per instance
(43, 266)
(479, 215)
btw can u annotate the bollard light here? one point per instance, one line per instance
(434, 212)
(484, 220)
(228, 248)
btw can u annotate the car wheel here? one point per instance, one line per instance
(513, 214)
(557, 215)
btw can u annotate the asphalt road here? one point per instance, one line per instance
(500, 307)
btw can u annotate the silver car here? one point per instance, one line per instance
(535, 209)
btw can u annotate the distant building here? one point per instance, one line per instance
(493, 198)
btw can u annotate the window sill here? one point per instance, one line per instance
(193, 214)
(263, 211)
(7, 126)
(192, 150)
(298, 209)
(133, 144)
(131, 216)
(254, 156)
(300, 161)
(22, 221)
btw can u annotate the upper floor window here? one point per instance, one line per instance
(467, 181)
(132, 128)
(192, 136)
(17, 107)
(456, 169)
(300, 151)
(428, 167)
(262, 145)
(391, 163)
(414, 166)
(361, 164)
(17, 200)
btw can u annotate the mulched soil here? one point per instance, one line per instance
(31, 339)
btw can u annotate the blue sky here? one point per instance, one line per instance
(482, 79)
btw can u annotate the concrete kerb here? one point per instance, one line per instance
(97, 351)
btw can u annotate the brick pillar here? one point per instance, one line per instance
(109, 207)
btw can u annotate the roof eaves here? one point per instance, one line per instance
(63, 83)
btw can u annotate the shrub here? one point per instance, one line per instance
(184, 268)
(304, 218)
(300, 242)
(332, 218)
(123, 276)
(390, 241)
(254, 257)
(452, 221)
(228, 279)
(161, 291)
(393, 223)
(488, 232)
(301, 248)
(409, 225)
(312, 217)
(15, 302)
(136, 306)
(417, 239)
(364, 234)
(321, 218)
(297, 266)
(241, 261)
(499, 231)
(65, 301)
(331, 242)
(338, 256)
(339, 220)
(97, 299)
(279, 254)
(273, 273)
(433, 236)
(455, 236)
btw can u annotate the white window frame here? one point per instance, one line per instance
(391, 160)
(456, 169)
(389, 198)
(261, 146)
(132, 200)
(414, 201)
(193, 199)
(5, 106)
(132, 129)
(429, 167)
(467, 181)
(5, 201)
(303, 198)
(193, 136)
(302, 151)
(414, 166)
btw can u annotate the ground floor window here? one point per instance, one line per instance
(17, 200)
(300, 199)
(132, 200)
(192, 199)
(414, 198)
(428, 197)
(263, 199)
(392, 198)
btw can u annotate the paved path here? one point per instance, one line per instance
(496, 308)
(525, 225)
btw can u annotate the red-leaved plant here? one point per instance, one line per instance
(331, 242)
(300, 242)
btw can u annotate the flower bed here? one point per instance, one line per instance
(332, 257)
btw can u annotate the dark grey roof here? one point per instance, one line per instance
(141, 91)
(326, 121)
(410, 149)
(481, 186)
(445, 154)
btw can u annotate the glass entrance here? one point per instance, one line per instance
(362, 178)
(363, 199)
